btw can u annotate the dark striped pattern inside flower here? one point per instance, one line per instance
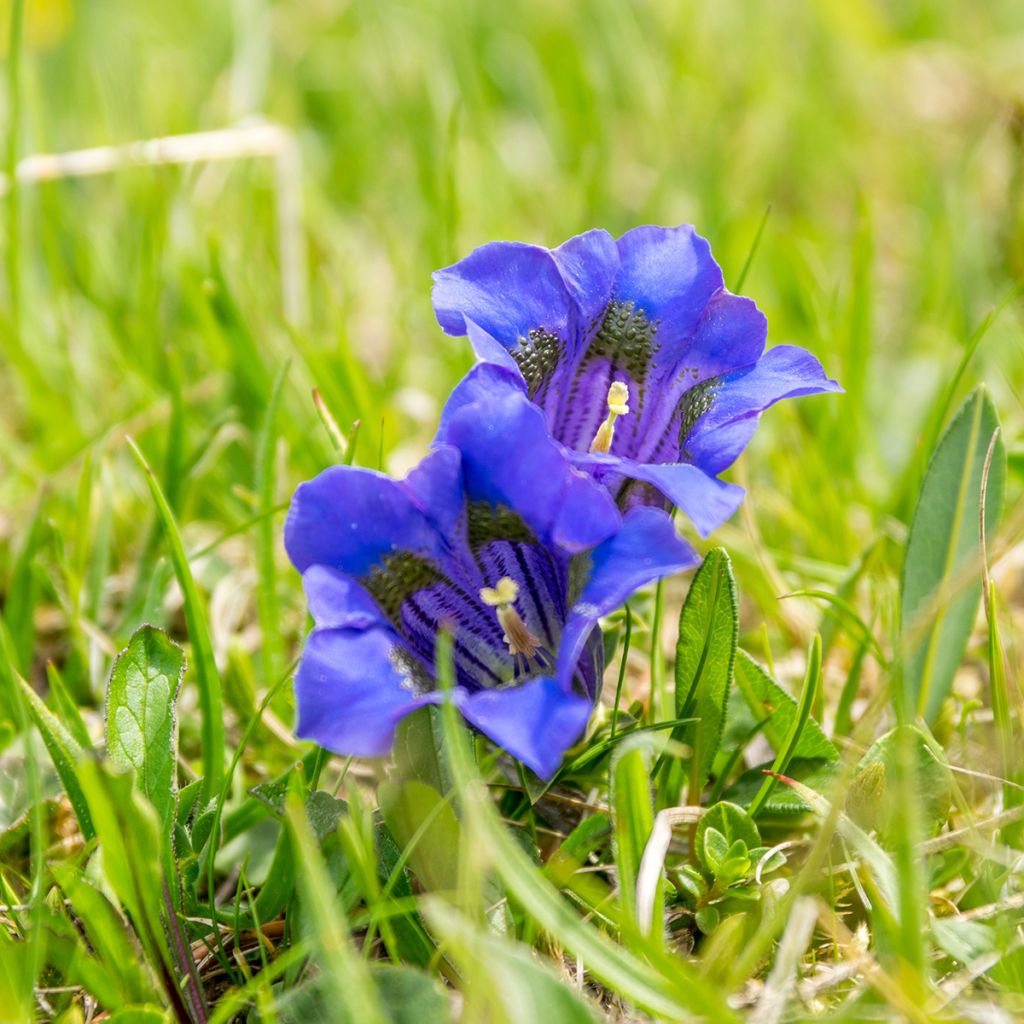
(620, 347)
(421, 597)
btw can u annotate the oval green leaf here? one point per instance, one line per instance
(941, 584)
(143, 686)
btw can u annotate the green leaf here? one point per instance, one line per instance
(707, 919)
(766, 699)
(130, 838)
(583, 840)
(816, 773)
(143, 685)
(808, 697)
(867, 802)
(348, 982)
(199, 634)
(416, 814)
(324, 812)
(664, 985)
(108, 934)
(22, 593)
(65, 707)
(505, 982)
(411, 997)
(878, 862)
(731, 824)
(17, 1001)
(407, 996)
(140, 1015)
(632, 816)
(64, 752)
(417, 751)
(705, 653)
(264, 481)
(941, 583)
(712, 850)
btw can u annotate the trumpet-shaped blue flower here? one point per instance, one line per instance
(646, 367)
(495, 537)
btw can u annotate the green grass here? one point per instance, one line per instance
(144, 309)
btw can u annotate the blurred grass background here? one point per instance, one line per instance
(887, 140)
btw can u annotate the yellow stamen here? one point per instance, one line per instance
(618, 398)
(503, 597)
(506, 592)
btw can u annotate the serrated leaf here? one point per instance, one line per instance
(767, 700)
(816, 773)
(143, 685)
(705, 654)
(941, 584)
(324, 812)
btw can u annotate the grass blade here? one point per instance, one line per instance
(207, 675)
(808, 695)
(346, 975)
(671, 989)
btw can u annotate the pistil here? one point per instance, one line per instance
(618, 397)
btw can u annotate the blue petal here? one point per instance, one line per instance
(486, 384)
(588, 264)
(487, 348)
(645, 549)
(724, 431)
(706, 501)
(508, 289)
(336, 601)
(509, 458)
(536, 722)
(348, 518)
(435, 485)
(349, 694)
(670, 274)
(730, 336)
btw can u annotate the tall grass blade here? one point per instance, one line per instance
(207, 675)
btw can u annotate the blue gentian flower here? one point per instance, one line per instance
(647, 368)
(495, 537)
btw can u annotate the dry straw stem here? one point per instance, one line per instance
(653, 860)
(245, 141)
(781, 982)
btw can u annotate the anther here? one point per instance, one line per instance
(502, 597)
(618, 398)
